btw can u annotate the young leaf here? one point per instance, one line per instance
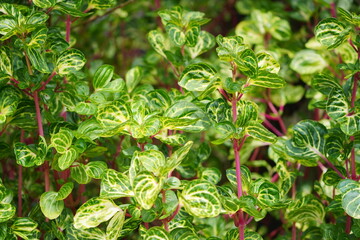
(96, 169)
(94, 212)
(133, 77)
(50, 206)
(259, 132)
(44, 3)
(62, 140)
(113, 114)
(268, 80)
(67, 158)
(307, 62)
(101, 4)
(156, 233)
(177, 157)
(152, 160)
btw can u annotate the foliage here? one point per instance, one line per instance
(179, 121)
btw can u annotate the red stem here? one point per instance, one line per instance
(68, 28)
(328, 162)
(333, 9)
(43, 85)
(348, 225)
(272, 128)
(352, 161)
(20, 183)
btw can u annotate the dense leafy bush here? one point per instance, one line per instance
(179, 119)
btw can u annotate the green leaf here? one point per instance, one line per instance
(38, 38)
(266, 62)
(7, 27)
(245, 177)
(7, 211)
(113, 229)
(70, 61)
(308, 62)
(44, 3)
(205, 41)
(212, 175)
(50, 205)
(268, 195)
(85, 234)
(268, 80)
(62, 140)
(5, 62)
(200, 199)
(103, 76)
(176, 35)
(70, 8)
(67, 158)
(78, 173)
(331, 33)
(156, 233)
(350, 197)
(177, 157)
(229, 47)
(96, 169)
(308, 142)
(115, 185)
(37, 59)
(113, 114)
(247, 63)
(65, 191)
(23, 227)
(248, 111)
(157, 40)
(94, 212)
(26, 156)
(133, 77)
(146, 189)
(152, 160)
(9, 99)
(233, 234)
(279, 28)
(307, 210)
(249, 204)
(325, 83)
(148, 127)
(259, 132)
(101, 4)
(85, 108)
(184, 234)
(197, 77)
(183, 113)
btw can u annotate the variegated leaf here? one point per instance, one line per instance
(25, 228)
(259, 132)
(218, 110)
(62, 140)
(113, 114)
(50, 206)
(101, 4)
(200, 199)
(156, 233)
(350, 197)
(7, 211)
(85, 108)
(113, 229)
(78, 173)
(5, 62)
(331, 33)
(307, 62)
(38, 37)
(325, 83)
(73, 233)
(205, 41)
(229, 47)
(103, 76)
(65, 191)
(308, 142)
(37, 59)
(212, 175)
(233, 234)
(152, 160)
(147, 128)
(67, 158)
(157, 41)
(146, 189)
(7, 27)
(266, 62)
(247, 63)
(268, 80)
(94, 212)
(69, 61)
(184, 234)
(197, 77)
(247, 111)
(177, 157)
(245, 177)
(44, 3)
(115, 185)
(268, 194)
(279, 28)
(307, 210)
(96, 169)
(133, 77)
(176, 35)
(26, 156)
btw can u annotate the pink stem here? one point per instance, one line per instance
(43, 85)
(68, 28)
(272, 128)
